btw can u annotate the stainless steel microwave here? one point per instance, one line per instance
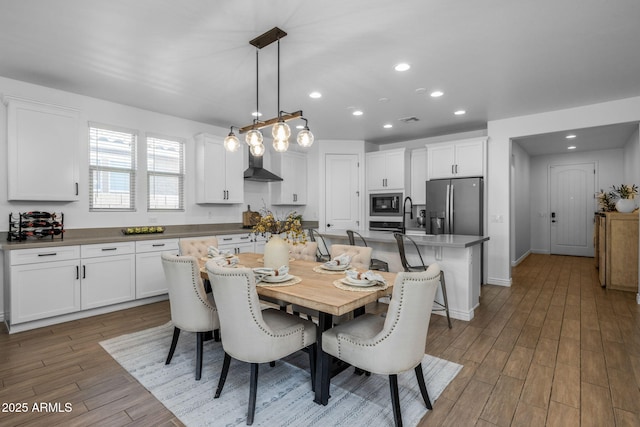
(385, 204)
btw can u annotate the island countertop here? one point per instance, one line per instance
(435, 240)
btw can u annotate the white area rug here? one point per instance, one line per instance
(284, 391)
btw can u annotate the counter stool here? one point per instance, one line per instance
(323, 251)
(376, 264)
(405, 264)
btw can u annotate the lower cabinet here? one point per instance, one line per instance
(618, 256)
(150, 280)
(236, 243)
(108, 274)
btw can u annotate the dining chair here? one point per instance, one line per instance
(323, 251)
(304, 251)
(400, 238)
(392, 344)
(360, 255)
(376, 264)
(192, 309)
(197, 246)
(252, 335)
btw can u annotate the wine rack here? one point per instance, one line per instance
(36, 225)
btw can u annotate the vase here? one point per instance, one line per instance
(625, 205)
(276, 252)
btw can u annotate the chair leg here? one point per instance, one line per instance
(272, 363)
(223, 375)
(444, 297)
(423, 386)
(174, 342)
(253, 389)
(216, 335)
(395, 400)
(199, 343)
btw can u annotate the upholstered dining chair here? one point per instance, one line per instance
(400, 239)
(360, 255)
(376, 264)
(197, 246)
(304, 251)
(192, 309)
(323, 251)
(250, 334)
(392, 344)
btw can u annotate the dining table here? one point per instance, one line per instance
(313, 287)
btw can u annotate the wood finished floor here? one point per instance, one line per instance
(554, 349)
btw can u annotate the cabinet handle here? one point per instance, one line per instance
(456, 169)
(49, 254)
(157, 245)
(77, 272)
(77, 192)
(84, 271)
(226, 239)
(452, 172)
(244, 238)
(109, 249)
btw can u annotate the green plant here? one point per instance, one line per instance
(606, 201)
(624, 191)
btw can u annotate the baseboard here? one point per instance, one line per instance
(540, 251)
(499, 282)
(522, 258)
(638, 298)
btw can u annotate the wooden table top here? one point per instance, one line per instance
(316, 290)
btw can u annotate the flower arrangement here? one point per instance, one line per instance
(606, 202)
(290, 226)
(625, 191)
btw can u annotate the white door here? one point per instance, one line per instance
(342, 195)
(572, 205)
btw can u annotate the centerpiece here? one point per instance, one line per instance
(279, 233)
(626, 194)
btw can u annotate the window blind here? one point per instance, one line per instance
(165, 173)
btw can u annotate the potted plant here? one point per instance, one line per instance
(625, 194)
(279, 232)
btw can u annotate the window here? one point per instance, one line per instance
(165, 173)
(112, 171)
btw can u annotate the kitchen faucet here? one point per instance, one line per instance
(404, 212)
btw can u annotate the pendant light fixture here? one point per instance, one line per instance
(281, 131)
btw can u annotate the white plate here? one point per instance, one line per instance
(346, 281)
(358, 282)
(276, 279)
(335, 267)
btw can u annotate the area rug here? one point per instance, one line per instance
(284, 391)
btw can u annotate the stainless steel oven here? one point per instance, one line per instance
(385, 204)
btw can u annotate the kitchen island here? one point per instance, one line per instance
(459, 256)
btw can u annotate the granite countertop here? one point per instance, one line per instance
(438, 240)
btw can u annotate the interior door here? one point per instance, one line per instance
(572, 207)
(342, 196)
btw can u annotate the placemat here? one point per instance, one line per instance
(321, 270)
(294, 280)
(380, 287)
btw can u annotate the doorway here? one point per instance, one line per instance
(342, 191)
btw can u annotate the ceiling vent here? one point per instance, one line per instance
(409, 119)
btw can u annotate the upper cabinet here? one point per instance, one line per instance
(456, 159)
(219, 173)
(419, 176)
(387, 170)
(292, 168)
(43, 151)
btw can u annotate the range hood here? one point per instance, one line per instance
(255, 171)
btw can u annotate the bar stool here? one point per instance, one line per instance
(376, 264)
(323, 251)
(405, 264)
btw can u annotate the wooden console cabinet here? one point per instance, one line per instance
(618, 250)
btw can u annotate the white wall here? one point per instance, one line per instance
(520, 192)
(499, 164)
(632, 159)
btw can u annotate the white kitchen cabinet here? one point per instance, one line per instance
(150, 279)
(41, 283)
(258, 244)
(43, 151)
(456, 159)
(219, 173)
(387, 170)
(236, 243)
(107, 274)
(419, 176)
(292, 168)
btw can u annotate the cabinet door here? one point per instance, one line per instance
(210, 171)
(42, 290)
(418, 176)
(150, 280)
(292, 168)
(43, 147)
(234, 176)
(107, 280)
(395, 170)
(376, 171)
(440, 161)
(469, 158)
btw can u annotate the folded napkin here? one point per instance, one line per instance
(342, 259)
(367, 275)
(213, 252)
(224, 261)
(260, 272)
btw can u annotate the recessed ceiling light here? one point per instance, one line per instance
(315, 95)
(256, 114)
(460, 112)
(437, 94)
(383, 99)
(403, 66)
(571, 147)
(388, 126)
(357, 113)
(570, 136)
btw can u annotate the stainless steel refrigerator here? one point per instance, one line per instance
(454, 206)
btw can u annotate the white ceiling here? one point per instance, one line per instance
(192, 58)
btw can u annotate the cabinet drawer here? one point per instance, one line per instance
(160, 245)
(233, 239)
(107, 249)
(31, 256)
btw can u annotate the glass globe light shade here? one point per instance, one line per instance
(280, 145)
(305, 138)
(257, 150)
(231, 142)
(281, 131)
(254, 137)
